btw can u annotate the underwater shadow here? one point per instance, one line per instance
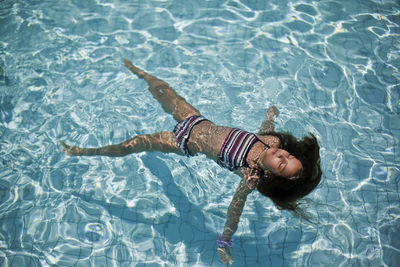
(189, 228)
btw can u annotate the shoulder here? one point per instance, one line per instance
(270, 140)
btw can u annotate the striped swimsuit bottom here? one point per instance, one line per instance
(182, 132)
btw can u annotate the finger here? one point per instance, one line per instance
(276, 111)
(65, 145)
(221, 254)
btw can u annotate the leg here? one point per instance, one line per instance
(164, 142)
(168, 98)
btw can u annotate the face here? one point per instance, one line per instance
(281, 162)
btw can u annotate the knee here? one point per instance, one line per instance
(130, 144)
(160, 88)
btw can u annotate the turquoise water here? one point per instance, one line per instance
(331, 67)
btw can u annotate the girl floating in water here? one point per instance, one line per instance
(277, 164)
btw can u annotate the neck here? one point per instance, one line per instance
(259, 149)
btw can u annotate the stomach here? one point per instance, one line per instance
(207, 138)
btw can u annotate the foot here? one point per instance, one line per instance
(71, 150)
(155, 84)
(134, 69)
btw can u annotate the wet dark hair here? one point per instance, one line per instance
(285, 192)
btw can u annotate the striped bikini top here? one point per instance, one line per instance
(236, 147)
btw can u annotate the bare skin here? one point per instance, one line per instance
(206, 138)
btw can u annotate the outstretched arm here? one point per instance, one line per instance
(246, 186)
(268, 124)
(164, 142)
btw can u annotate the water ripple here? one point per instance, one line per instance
(331, 67)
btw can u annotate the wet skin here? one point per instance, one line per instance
(206, 137)
(281, 162)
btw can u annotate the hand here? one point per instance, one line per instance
(268, 124)
(250, 176)
(225, 255)
(271, 112)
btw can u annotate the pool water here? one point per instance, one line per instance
(331, 67)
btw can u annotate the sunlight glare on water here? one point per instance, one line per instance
(331, 67)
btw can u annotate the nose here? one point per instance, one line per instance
(283, 153)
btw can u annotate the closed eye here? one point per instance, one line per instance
(282, 166)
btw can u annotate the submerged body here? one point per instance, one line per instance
(258, 159)
(205, 137)
(211, 140)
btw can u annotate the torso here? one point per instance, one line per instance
(207, 138)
